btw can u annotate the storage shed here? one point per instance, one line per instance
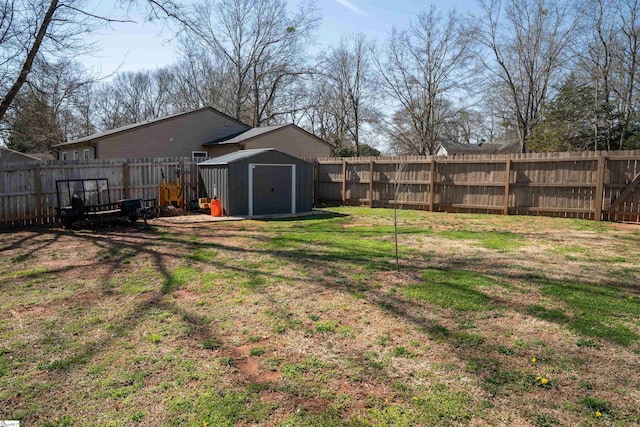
(259, 182)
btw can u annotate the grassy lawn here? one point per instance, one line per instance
(491, 320)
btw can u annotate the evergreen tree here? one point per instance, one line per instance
(34, 128)
(575, 120)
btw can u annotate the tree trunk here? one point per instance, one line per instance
(28, 62)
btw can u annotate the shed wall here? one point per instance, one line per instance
(215, 180)
(232, 181)
(304, 195)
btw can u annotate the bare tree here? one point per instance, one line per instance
(527, 42)
(262, 46)
(595, 55)
(134, 97)
(61, 85)
(48, 30)
(422, 66)
(199, 80)
(350, 86)
(629, 55)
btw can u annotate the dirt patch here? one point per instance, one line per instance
(185, 295)
(34, 311)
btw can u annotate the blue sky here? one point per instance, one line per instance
(144, 45)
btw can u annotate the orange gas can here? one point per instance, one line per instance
(216, 207)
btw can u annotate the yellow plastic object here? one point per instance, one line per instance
(170, 195)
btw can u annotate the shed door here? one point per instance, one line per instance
(271, 189)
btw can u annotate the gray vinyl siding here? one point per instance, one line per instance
(175, 137)
(292, 141)
(232, 181)
(80, 149)
(222, 149)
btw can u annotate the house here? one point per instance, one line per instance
(456, 148)
(259, 181)
(9, 156)
(201, 133)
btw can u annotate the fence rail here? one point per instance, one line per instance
(589, 185)
(28, 191)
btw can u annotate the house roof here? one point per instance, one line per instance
(458, 148)
(245, 136)
(235, 156)
(142, 124)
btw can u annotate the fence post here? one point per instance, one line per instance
(316, 178)
(432, 185)
(125, 181)
(597, 208)
(507, 187)
(371, 170)
(182, 186)
(38, 187)
(344, 182)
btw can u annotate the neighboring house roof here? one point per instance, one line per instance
(235, 156)
(142, 124)
(7, 154)
(458, 148)
(244, 137)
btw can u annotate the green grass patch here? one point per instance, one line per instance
(32, 272)
(123, 255)
(202, 255)
(501, 241)
(596, 404)
(549, 314)
(179, 277)
(456, 289)
(257, 351)
(402, 352)
(327, 240)
(211, 343)
(326, 326)
(598, 310)
(467, 340)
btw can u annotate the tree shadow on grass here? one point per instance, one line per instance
(331, 260)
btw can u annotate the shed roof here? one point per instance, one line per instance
(235, 156)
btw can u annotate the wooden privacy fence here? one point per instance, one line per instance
(28, 192)
(589, 185)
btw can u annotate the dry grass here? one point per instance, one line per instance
(305, 322)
